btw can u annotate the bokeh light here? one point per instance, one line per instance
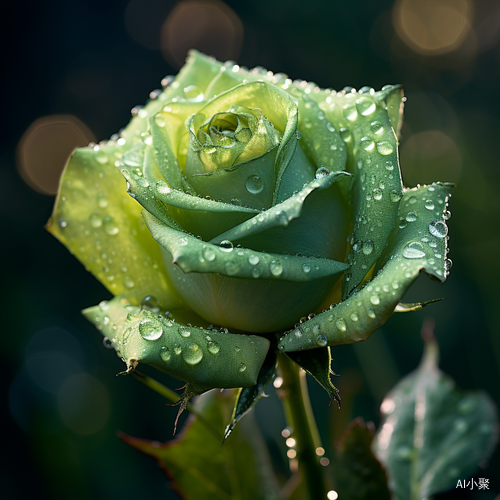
(45, 148)
(210, 26)
(433, 27)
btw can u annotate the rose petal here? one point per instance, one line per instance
(200, 357)
(421, 244)
(101, 225)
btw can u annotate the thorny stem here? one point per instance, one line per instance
(299, 416)
(171, 396)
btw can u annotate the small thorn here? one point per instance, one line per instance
(130, 368)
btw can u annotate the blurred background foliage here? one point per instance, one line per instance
(75, 69)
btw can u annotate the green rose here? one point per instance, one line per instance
(257, 194)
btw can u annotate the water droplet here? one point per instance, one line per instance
(446, 215)
(177, 349)
(365, 106)
(150, 329)
(322, 172)
(321, 340)
(330, 127)
(159, 120)
(350, 112)
(345, 134)
(448, 264)
(276, 268)
(341, 324)
(95, 220)
(184, 332)
(110, 226)
(306, 267)
(414, 250)
(411, 217)
(128, 282)
(226, 246)
(367, 144)
(354, 317)
(213, 347)
(231, 268)
(438, 229)
(133, 159)
(377, 194)
(429, 204)
(281, 217)
(385, 148)
(102, 201)
(106, 342)
(242, 367)
(151, 303)
(376, 127)
(102, 158)
(394, 196)
(366, 90)
(375, 299)
(371, 313)
(299, 135)
(165, 354)
(236, 201)
(208, 254)
(192, 354)
(368, 247)
(358, 245)
(253, 260)
(193, 93)
(254, 184)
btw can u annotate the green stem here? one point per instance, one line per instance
(299, 416)
(171, 396)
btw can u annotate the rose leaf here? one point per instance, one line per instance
(201, 468)
(357, 473)
(432, 434)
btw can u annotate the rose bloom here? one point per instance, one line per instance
(256, 214)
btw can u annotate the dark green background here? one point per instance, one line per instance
(78, 58)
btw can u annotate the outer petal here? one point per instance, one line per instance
(190, 84)
(99, 223)
(419, 244)
(372, 156)
(194, 255)
(320, 140)
(203, 358)
(242, 289)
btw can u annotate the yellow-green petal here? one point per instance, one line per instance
(102, 226)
